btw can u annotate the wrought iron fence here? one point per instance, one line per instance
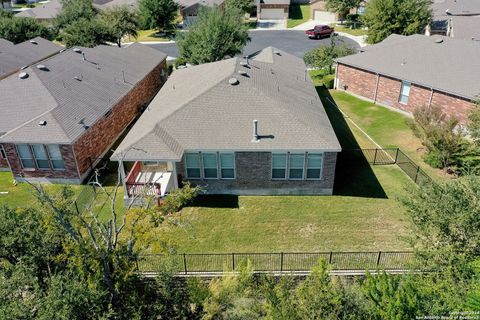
(278, 262)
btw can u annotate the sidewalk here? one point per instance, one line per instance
(361, 40)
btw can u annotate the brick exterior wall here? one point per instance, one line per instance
(363, 83)
(3, 161)
(69, 174)
(274, 6)
(254, 177)
(98, 139)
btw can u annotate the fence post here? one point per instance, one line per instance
(330, 258)
(281, 261)
(76, 206)
(185, 263)
(416, 174)
(375, 157)
(233, 261)
(378, 258)
(396, 156)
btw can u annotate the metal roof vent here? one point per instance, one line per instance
(23, 75)
(77, 50)
(243, 73)
(42, 67)
(233, 81)
(439, 40)
(33, 42)
(24, 67)
(243, 63)
(277, 52)
(42, 123)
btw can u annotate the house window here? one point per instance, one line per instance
(404, 92)
(25, 156)
(279, 165)
(41, 158)
(297, 163)
(192, 162)
(56, 158)
(3, 155)
(209, 165)
(227, 165)
(314, 165)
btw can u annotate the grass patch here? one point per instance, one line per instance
(146, 36)
(299, 13)
(349, 30)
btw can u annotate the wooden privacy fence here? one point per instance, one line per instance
(391, 156)
(195, 263)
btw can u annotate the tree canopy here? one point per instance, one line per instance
(121, 21)
(342, 6)
(241, 5)
(158, 14)
(86, 33)
(216, 34)
(16, 29)
(73, 10)
(405, 17)
(324, 56)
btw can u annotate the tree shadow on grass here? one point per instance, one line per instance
(353, 175)
(216, 201)
(295, 12)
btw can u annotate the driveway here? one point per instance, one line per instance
(278, 24)
(291, 41)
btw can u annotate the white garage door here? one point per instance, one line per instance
(324, 16)
(272, 14)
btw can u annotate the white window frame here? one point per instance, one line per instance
(322, 154)
(290, 165)
(203, 165)
(35, 156)
(286, 166)
(220, 166)
(31, 155)
(51, 159)
(404, 85)
(199, 165)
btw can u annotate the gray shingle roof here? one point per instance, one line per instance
(13, 57)
(73, 93)
(448, 66)
(46, 11)
(463, 14)
(106, 4)
(197, 109)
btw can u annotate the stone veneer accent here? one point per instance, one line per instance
(253, 177)
(84, 154)
(363, 83)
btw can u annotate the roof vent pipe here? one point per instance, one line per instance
(255, 131)
(233, 81)
(23, 75)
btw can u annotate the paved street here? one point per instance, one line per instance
(291, 41)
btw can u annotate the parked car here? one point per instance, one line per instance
(320, 31)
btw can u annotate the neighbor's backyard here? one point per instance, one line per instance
(364, 214)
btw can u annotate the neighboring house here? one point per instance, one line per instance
(189, 8)
(108, 4)
(46, 12)
(272, 9)
(15, 56)
(319, 12)
(245, 127)
(410, 72)
(456, 18)
(62, 115)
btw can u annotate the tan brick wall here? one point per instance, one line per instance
(254, 177)
(70, 172)
(95, 143)
(362, 83)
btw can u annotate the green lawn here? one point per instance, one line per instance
(353, 32)
(299, 13)
(147, 36)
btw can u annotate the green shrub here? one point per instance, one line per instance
(179, 62)
(178, 198)
(433, 159)
(328, 81)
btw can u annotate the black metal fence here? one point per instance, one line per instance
(278, 262)
(392, 156)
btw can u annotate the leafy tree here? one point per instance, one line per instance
(4, 13)
(474, 123)
(324, 56)
(86, 33)
(385, 17)
(73, 10)
(280, 302)
(17, 29)
(342, 6)
(241, 5)
(159, 14)
(216, 34)
(122, 22)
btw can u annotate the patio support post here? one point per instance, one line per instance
(122, 177)
(175, 178)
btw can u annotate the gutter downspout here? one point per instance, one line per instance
(335, 82)
(376, 89)
(431, 98)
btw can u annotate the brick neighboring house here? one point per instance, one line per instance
(410, 72)
(201, 128)
(15, 56)
(273, 9)
(61, 116)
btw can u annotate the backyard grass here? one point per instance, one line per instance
(299, 13)
(147, 36)
(353, 32)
